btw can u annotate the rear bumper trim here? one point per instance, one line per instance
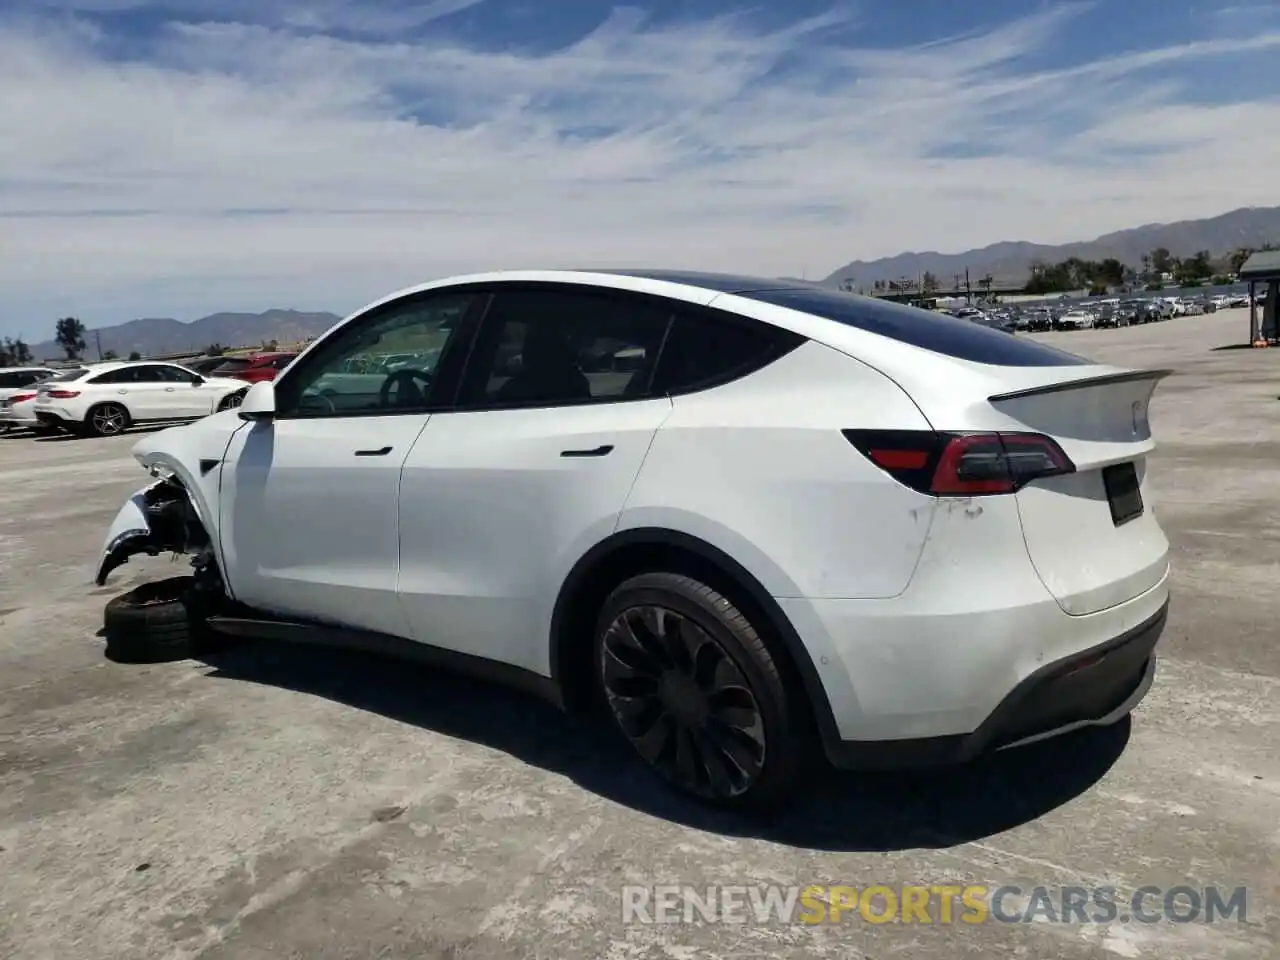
(1096, 687)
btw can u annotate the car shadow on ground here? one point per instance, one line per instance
(838, 811)
(64, 437)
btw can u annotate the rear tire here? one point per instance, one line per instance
(107, 420)
(156, 622)
(693, 687)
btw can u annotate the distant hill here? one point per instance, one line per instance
(160, 336)
(1010, 261)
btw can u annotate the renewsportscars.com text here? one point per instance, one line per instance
(930, 904)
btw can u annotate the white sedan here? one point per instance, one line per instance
(106, 398)
(1076, 320)
(792, 518)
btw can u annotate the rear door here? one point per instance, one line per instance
(500, 496)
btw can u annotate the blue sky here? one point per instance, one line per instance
(175, 158)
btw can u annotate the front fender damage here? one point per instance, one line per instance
(159, 518)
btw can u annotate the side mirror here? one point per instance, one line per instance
(259, 402)
(197, 380)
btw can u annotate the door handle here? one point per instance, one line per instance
(168, 389)
(381, 452)
(600, 451)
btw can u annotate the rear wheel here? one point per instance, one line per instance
(695, 690)
(107, 420)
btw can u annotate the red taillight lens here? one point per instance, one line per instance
(21, 397)
(63, 394)
(962, 464)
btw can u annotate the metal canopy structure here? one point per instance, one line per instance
(1263, 269)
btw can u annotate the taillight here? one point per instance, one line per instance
(962, 464)
(63, 394)
(21, 397)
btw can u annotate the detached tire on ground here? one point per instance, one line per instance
(153, 623)
(696, 690)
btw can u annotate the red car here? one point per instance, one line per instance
(255, 369)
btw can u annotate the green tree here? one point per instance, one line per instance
(1110, 272)
(928, 284)
(111, 355)
(215, 350)
(1237, 258)
(135, 355)
(69, 336)
(14, 353)
(1194, 269)
(1162, 260)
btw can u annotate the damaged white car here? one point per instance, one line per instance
(749, 519)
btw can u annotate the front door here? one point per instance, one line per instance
(501, 496)
(185, 393)
(309, 519)
(142, 389)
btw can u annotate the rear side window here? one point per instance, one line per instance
(703, 350)
(931, 331)
(66, 376)
(10, 380)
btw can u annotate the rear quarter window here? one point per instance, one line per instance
(936, 332)
(66, 376)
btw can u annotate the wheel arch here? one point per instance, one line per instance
(108, 402)
(646, 549)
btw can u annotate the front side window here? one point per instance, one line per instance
(177, 374)
(552, 347)
(382, 363)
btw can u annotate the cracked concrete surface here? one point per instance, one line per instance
(286, 803)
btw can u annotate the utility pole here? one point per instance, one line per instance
(97, 336)
(968, 288)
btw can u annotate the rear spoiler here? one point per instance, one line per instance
(1132, 376)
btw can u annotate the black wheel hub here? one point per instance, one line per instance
(682, 702)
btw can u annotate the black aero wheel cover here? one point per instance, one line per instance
(682, 701)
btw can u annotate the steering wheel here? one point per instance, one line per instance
(405, 398)
(324, 398)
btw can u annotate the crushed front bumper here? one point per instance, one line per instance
(130, 533)
(156, 519)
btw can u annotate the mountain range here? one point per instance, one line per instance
(1009, 262)
(159, 336)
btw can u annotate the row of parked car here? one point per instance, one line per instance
(106, 398)
(1112, 312)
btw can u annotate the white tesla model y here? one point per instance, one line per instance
(745, 517)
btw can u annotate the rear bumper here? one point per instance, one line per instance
(1096, 687)
(53, 418)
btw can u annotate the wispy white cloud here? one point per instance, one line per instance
(321, 159)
